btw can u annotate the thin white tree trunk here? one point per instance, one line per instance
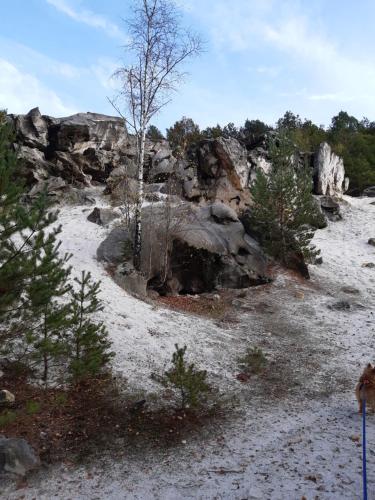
(138, 208)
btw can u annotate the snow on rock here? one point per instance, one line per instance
(329, 172)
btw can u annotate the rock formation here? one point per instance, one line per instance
(90, 147)
(200, 249)
(329, 172)
(208, 189)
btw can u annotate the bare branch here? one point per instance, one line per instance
(156, 49)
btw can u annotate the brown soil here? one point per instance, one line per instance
(93, 417)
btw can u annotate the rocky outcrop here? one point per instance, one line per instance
(217, 170)
(90, 147)
(79, 148)
(193, 250)
(329, 172)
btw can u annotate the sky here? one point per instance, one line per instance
(261, 58)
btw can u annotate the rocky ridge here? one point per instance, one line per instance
(209, 247)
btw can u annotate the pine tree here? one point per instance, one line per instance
(190, 382)
(87, 339)
(22, 238)
(45, 312)
(284, 210)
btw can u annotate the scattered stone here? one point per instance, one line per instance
(341, 305)
(6, 397)
(243, 377)
(370, 265)
(103, 216)
(350, 290)
(138, 406)
(371, 241)
(299, 295)
(17, 456)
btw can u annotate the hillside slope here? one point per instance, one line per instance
(291, 435)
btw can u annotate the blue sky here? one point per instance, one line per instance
(262, 57)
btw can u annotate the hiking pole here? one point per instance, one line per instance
(364, 466)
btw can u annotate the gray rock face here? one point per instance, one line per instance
(77, 148)
(195, 250)
(17, 456)
(329, 172)
(217, 171)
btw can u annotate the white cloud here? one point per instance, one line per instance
(89, 18)
(286, 28)
(20, 92)
(104, 70)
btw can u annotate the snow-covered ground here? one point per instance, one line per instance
(291, 436)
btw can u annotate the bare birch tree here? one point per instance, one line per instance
(158, 46)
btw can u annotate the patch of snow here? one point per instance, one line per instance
(301, 442)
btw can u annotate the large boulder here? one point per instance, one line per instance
(329, 172)
(188, 249)
(17, 456)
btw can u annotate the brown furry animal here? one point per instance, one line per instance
(366, 388)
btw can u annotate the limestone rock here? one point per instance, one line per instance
(329, 172)
(17, 456)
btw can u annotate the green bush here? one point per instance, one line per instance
(7, 417)
(32, 407)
